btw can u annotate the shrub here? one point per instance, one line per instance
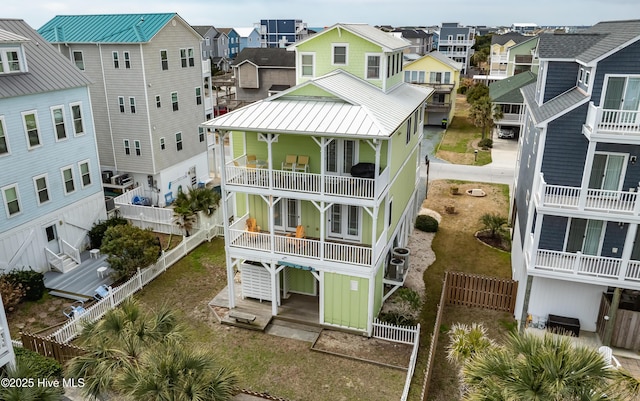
(397, 318)
(486, 143)
(31, 281)
(97, 231)
(129, 248)
(494, 223)
(426, 223)
(11, 293)
(40, 366)
(411, 297)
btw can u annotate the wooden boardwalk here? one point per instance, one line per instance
(81, 282)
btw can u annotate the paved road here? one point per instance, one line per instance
(500, 170)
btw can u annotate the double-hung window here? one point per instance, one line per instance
(132, 105)
(307, 64)
(174, 100)
(85, 174)
(340, 54)
(78, 124)
(10, 60)
(57, 114)
(4, 145)
(67, 179)
(121, 103)
(78, 59)
(373, 67)
(116, 60)
(11, 200)
(42, 188)
(178, 141)
(183, 58)
(30, 119)
(198, 96)
(164, 59)
(127, 147)
(138, 148)
(127, 60)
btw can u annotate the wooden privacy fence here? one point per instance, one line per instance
(480, 291)
(53, 349)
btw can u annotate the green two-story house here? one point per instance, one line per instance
(320, 180)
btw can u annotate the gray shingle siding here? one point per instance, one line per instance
(625, 61)
(565, 149)
(553, 231)
(525, 176)
(632, 173)
(561, 76)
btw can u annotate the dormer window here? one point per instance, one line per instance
(339, 54)
(10, 60)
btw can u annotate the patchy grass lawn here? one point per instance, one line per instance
(461, 139)
(283, 367)
(456, 249)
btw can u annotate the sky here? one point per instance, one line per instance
(319, 13)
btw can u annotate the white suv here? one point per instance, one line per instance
(506, 134)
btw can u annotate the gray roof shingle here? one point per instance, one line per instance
(48, 70)
(266, 57)
(555, 107)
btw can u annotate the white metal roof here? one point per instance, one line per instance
(358, 109)
(387, 41)
(6, 36)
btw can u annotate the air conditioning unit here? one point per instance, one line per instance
(106, 176)
(395, 269)
(402, 253)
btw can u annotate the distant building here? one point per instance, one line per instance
(50, 186)
(249, 37)
(421, 41)
(262, 72)
(282, 32)
(456, 42)
(525, 28)
(146, 94)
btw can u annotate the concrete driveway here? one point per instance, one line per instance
(504, 152)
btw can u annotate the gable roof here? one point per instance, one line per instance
(591, 45)
(244, 32)
(412, 33)
(266, 57)
(48, 69)
(504, 38)
(387, 41)
(441, 58)
(203, 29)
(357, 110)
(105, 28)
(227, 31)
(555, 107)
(508, 90)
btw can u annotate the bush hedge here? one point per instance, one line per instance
(426, 223)
(40, 366)
(486, 143)
(97, 231)
(31, 281)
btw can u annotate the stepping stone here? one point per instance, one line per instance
(52, 309)
(43, 315)
(31, 320)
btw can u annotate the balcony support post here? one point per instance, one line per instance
(586, 175)
(632, 229)
(225, 220)
(613, 311)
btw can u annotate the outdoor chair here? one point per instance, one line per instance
(251, 161)
(295, 242)
(302, 164)
(289, 162)
(252, 225)
(75, 309)
(607, 355)
(101, 292)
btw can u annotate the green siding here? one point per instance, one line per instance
(357, 49)
(301, 281)
(343, 306)
(379, 288)
(311, 90)
(402, 189)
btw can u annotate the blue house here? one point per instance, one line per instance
(233, 40)
(576, 208)
(282, 32)
(50, 185)
(249, 37)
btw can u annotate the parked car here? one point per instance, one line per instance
(506, 134)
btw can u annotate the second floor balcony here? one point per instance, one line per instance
(580, 267)
(609, 202)
(621, 126)
(438, 106)
(259, 176)
(320, 249)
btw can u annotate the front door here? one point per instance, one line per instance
(584, 236)
(607, 171)
(341, 155)
(52, 238)
(286, 214)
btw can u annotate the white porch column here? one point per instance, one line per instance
(627, 250)
(586, 175)
(226, 196)
(371, 298)
(536, 239)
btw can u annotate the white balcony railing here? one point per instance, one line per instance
(302, 247)
(588, 199)
(577, 266)
(612, 122)
(445, 42)
(333, 185)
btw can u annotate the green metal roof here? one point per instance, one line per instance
(104, 28)
(508, 90)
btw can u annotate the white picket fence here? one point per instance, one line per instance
(117, 295)
(400, 334)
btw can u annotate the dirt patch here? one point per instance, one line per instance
(368, 349)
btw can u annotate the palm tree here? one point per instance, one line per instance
(196, 200)
(26, 368)
(538, 368)
(494, 223)
(483, 113)
(177, 373)
(466, 341)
